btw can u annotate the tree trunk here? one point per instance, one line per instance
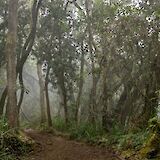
(21, 93)
(153, 83)
(22, 90)
(42, 95)
(49, 119)
(63, 94)
(81, 80)
(106, 119)
(123, 102)
(151, 99)
(25, 50)
(92, 104)
(27, 47)
(2, 101)
(11, 64)
(61, 82)
(65, 108)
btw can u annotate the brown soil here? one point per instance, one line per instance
(50, 147)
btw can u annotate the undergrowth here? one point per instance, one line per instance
(116, 138)
(125, 140)
(12, 145)
(131, 144)
(85, 131)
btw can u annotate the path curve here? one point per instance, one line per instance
(58, 148)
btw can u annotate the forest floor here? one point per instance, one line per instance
(50, 147)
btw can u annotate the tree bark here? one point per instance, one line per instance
(42, 95)
(61, 83)
(25, 50)
(21, 93)
(151, 99)
(11, 64)
(106, 119)
(2, 101)
(27, 47)
(92, 104)
(81, 81)
(63, 94)
(22, 90)
(49, 119)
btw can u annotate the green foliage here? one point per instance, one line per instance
(15, 144)
(120, 140)
(154, 125)
(3, 129)
(3, 126)
(95, 134)
(83, 131)
(6, 156)
(59, 124)
(12, 145)
(132, 140)
(151, 146)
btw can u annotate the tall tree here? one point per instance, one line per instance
(11, 63)
(42, 92)
(80, 84)
(49, 119)
(24, 53)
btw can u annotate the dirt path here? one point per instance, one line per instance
(57, 148)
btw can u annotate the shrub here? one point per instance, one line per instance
(132, 140)
(151, 147)
(84, 130)
(123, 141)
(59, 124)
(3, 126)
(12, 145)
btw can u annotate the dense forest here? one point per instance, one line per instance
(87, 70)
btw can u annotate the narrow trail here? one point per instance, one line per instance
(51, 147)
